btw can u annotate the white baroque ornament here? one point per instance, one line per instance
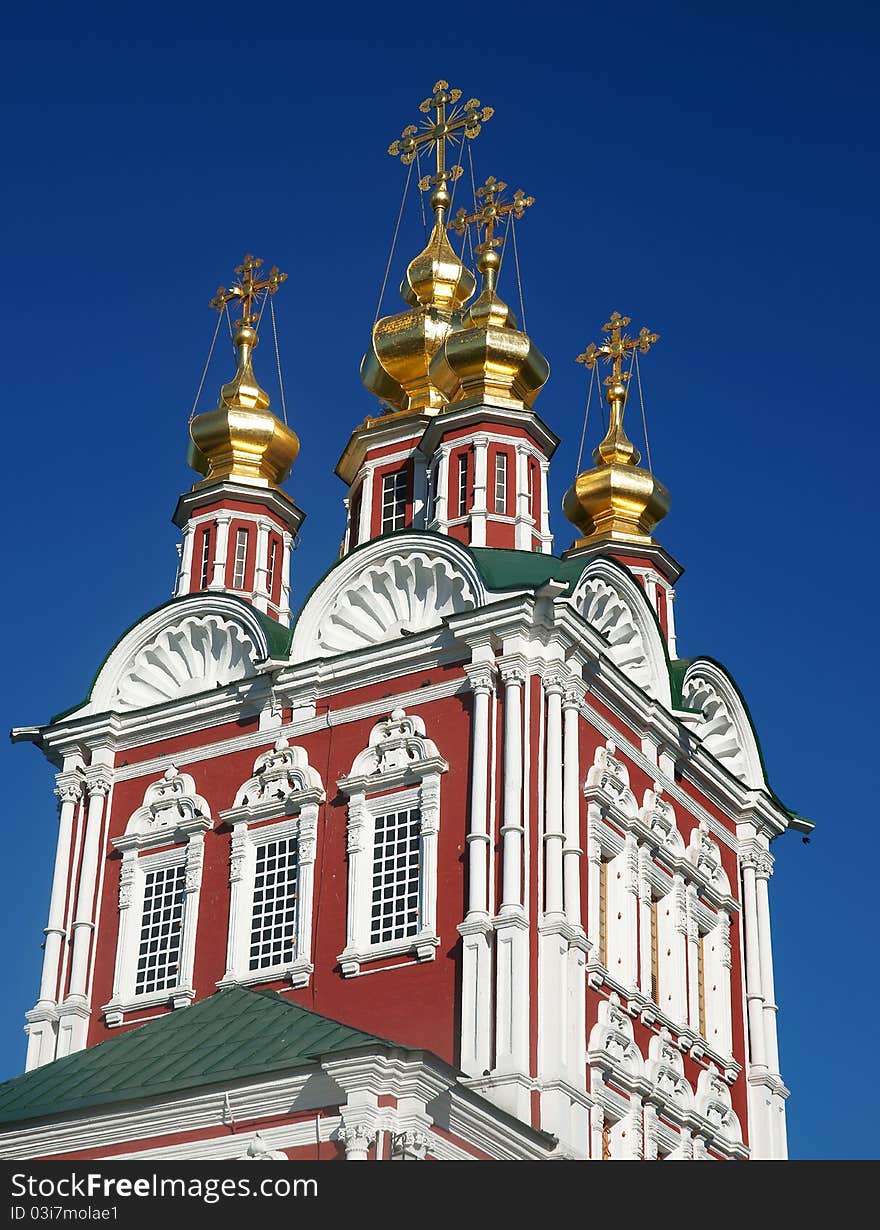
(169, 804)
(717, 729)
(607, 611)
(400, 596)
(199, 653)
(278, 774)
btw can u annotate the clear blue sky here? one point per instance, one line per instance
(712, 174)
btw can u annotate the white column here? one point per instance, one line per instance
(482, 686)
(184, 574)
(554, 835)
(763, 871)
(359, 844)
(69, 792)
(357, 1138)
(365, 529)
(572, 852)
(670, 623)
(284, 603)
(645, 953)
(594, 879)
(523, 526)
(221, 548)
(546, 536)
(514, 678)
(629, 970)
(480, 505)
(261, 571)
(420, 491)
(754, 990)
(98, 785)
(693, 958)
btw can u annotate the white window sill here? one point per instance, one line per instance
(174, 997)
(297, 974)
(422, 946)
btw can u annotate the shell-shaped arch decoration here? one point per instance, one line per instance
(606, 611)
(724, 727)
(194, 655)
(401, 595)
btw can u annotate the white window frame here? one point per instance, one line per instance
(501, 484)
(286, 790)
(174, 818)
(394, 492)
(462, 509)
(206, 558)
(272, 566)
(399, 770)
(239, 566)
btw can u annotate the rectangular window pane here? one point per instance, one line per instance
(395, 902)
(501, 482)
(273, 560)
(394, 501)
(273, 920)
(462, 484)
(241, 538)
(158, 963)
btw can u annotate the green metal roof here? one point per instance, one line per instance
(506, 569)
(231, 1034)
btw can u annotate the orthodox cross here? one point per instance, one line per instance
(491, 211)
(246, 289)
(616, 346)
(447, 125)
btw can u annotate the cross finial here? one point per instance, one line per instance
(450, 123)
(615, 347)
(489, 209)
(247, 288)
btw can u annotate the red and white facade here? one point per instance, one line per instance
(474, 804)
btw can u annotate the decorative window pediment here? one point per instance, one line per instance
(665, 1071)
(393, 824)
(658, 816)
(608, 778)
(703, 852)
(274, 822)
(159, 887)
(714, 1104)
(612, 1043)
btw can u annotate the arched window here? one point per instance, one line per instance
(393, 824)
(159, 885)
(274, 822)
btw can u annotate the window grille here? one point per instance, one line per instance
(273, 920)
(241, 539)
(206, 556)
(395, 905)
(501, 483)
(462, 484)
(394, 501)
(158, 964)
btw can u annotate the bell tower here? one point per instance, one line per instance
(238, 524)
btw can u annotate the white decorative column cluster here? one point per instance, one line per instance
(221, 549)
(511, 922)
(480, 505)
(476, 928)
(74, 1013)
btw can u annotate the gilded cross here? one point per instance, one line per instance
(490, 208)
(449, 123)
(615, 347)
(248, 286)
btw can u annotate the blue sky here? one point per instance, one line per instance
(713, 174)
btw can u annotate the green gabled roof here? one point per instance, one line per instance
(231, 1034)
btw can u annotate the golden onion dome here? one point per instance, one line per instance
(241, 439)
(489, 356)
(437, 285)
(616, 500)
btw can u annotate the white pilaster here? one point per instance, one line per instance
(284, 613)
(261, 571)
(184, 572)
(524, 522)
(221, 550)
(571, 796)
(554, 835)
(480, 506)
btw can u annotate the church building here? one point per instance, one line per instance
(452, 857)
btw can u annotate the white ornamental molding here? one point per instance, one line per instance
(170, 812)
(616, 607)
(723, 727)
(703, 852)
(714, 1105)
(279, 774)
(384, 591)
(658, 818)
(398, 751)
(259, 1151)
(665, 1072)
(194, 655)
(612, 1045)
(608, 782)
